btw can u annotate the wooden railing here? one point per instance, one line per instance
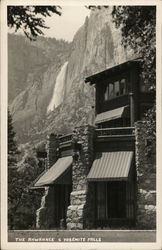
(103, 132)
(65, 138)
(121, 131)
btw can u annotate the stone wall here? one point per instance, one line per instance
(79, 208)
(52, 149)
(146, 178)
(45, 214)
(81, 211)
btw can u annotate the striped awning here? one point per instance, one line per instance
(111, 166)
(59, 169)
(112, 114)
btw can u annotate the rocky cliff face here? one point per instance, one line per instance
(33, 68)
(95, 47)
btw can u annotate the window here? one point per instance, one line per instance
(111, 200)
(101, 213)
(106, 94)
(111, 90)
(116, 88)
(123, 87)
(114, 202)
(61, 202)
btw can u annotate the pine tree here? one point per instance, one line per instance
(12, 146)
(138, 26)
(13, 190)
(30, 19)
(22, 203)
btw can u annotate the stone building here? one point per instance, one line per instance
(103, 176)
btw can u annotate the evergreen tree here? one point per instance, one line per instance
(12, 172)
(22, 202)
(30, 19)
(138, 26)
(12, 147)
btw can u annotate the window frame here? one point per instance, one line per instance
(128, 216)
(112, 80)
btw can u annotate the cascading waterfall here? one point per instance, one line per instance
(59, 88)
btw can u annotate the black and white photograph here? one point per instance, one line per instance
(81, 125)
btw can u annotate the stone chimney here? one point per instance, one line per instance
(83, 158)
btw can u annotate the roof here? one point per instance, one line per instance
(56, 171)
(112, 71)
(111, 166)
(111, 114)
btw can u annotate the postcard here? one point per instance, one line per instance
(81, 125)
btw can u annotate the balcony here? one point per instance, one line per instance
(115, 132)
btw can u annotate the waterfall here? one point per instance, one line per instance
(58, 91)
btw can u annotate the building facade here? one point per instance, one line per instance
(102, 176)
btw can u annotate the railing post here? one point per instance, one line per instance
(132, 115)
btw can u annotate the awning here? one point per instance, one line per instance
(112, 114)
(59, 169)
(111, 166)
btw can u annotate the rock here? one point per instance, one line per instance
(96, 46)
(79, 226)
(69, 213)
(79, 187)
(142, 191)
(71, 226)
(80, 192)
(81, 206)
(150, 208)
(72, 207)
(76, 201)
(148, 181)
(151, 197)
(80, 213)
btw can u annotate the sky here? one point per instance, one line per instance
(66, 25)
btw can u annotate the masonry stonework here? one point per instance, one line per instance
(52, 147)
(45, 214)
(81, 211)
(146, 179)
(79, 208)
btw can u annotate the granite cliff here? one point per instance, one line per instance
(95, 47)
